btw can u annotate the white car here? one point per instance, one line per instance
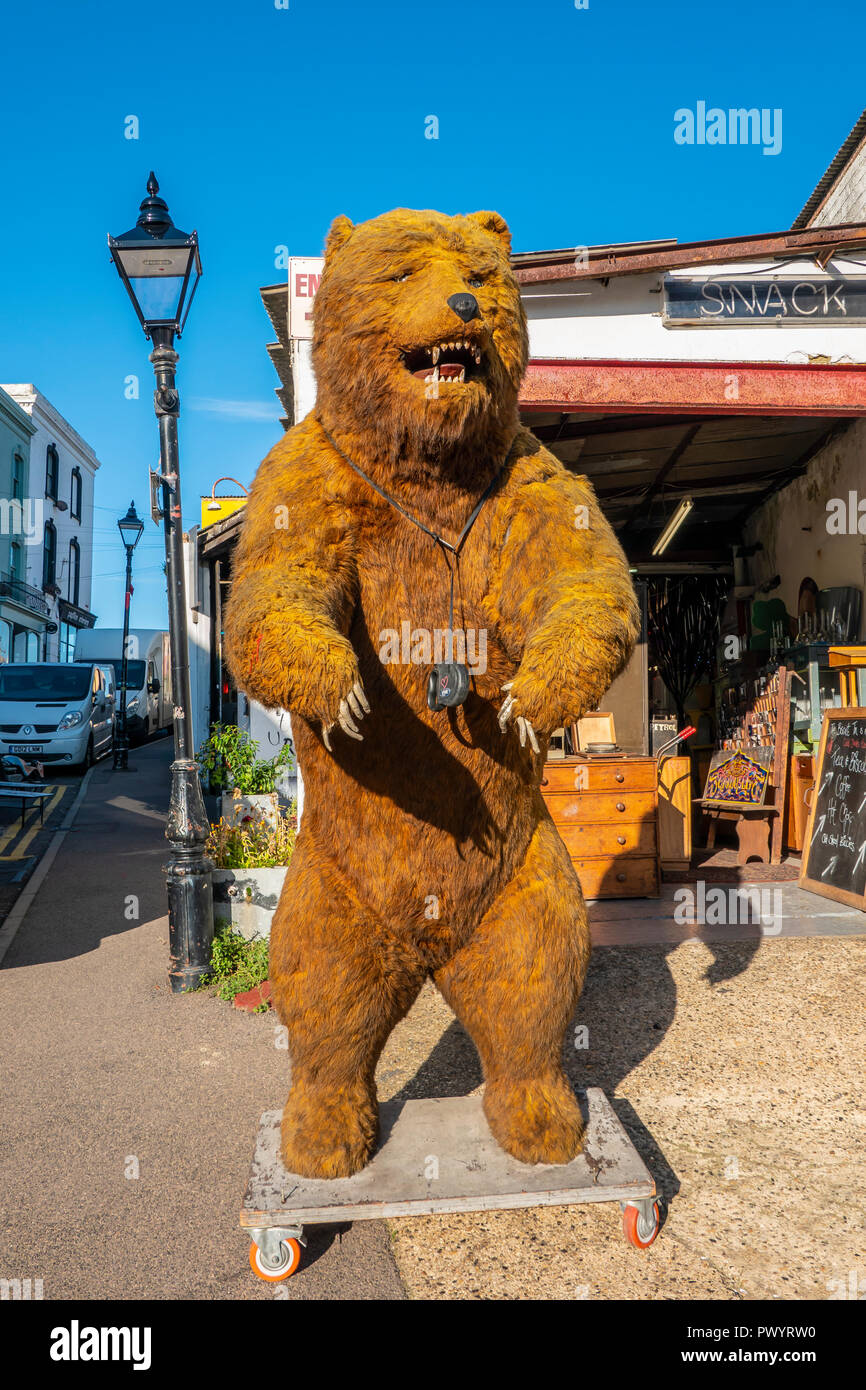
(57, 713)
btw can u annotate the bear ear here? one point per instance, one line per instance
(492, 222)
(341, 229)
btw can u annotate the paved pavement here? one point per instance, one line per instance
(129, 1114)
(733, 1058)
(708, 911)
(23, 842)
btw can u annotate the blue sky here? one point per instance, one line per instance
(262, 124)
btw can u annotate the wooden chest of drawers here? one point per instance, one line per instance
(606, 810)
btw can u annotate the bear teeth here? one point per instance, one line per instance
(435, 355)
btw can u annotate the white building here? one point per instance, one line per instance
(62, 472)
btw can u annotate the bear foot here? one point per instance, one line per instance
(328, 1134)
(535, 1121)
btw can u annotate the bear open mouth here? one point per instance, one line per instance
(454, 362)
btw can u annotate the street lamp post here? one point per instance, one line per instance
(157, 263)
(130, 527)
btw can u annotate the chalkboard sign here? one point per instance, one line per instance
(834, 854)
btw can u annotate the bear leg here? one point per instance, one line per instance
(340, 984)
(514, 986)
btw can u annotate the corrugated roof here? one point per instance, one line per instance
(276, 301)
(843, 158)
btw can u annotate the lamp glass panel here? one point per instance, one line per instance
(156, 275)
(131, 531)
(158, 299)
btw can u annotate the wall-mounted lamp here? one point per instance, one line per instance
(213, 505)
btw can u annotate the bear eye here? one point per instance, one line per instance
(475, 281)
(403, 275)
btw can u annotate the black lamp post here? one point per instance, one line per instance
(157, 264)
(130, 527)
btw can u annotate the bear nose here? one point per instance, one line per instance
(465, 306)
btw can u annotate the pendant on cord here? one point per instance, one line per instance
(447, 685)
(448, 682)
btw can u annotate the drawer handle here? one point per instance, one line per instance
(620, 805)
(620, 839)
(544, 782)
(620, 777)
(620, 878)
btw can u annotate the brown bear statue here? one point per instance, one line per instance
(425, 847)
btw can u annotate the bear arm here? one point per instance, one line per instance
(292, 597)
(567, 606)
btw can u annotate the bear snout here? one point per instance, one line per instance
(465, 306)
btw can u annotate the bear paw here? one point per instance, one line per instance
(327, 1134)
(535, 1121)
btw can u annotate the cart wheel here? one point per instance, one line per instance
(638, 1229)
(290, 1258)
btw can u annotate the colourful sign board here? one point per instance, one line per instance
(739, 777)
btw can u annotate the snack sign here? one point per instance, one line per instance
(738, 301)
(305, 272)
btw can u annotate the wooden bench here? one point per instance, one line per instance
(24, 794)
(753, 827)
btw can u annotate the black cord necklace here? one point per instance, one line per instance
(448, 682)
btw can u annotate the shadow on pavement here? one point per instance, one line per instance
(107, 878)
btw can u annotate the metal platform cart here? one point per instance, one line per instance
(438, 1156)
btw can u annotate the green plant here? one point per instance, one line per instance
(228, 760)
(236, 964)
(255, 845)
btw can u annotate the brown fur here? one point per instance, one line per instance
(426, 849)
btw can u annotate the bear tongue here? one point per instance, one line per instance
(446, 369)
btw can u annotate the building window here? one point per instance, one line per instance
(18, 474)
(52, 472)
(67, 642)
(16, 567)
(5, 641)
(75, 500)
(49, 555)
(74, 571)
(25, 644)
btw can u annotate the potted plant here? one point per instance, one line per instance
(250, 865)
(228, 759)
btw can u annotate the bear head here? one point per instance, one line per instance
(419, 334)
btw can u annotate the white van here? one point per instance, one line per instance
(149, 706)
(57, 712)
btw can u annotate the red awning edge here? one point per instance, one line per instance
(606, 386)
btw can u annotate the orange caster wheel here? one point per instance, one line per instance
(640, 1224)
(281, 1266)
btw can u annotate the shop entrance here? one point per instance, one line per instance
(684, 459)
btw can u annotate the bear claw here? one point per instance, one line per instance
(524, 728)
(355, 706)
